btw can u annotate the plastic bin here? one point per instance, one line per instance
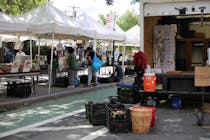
(176, 102)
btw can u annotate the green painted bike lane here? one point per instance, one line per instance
(46, 110)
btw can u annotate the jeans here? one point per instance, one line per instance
(92, 76)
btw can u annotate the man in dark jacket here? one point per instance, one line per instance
(139, 61)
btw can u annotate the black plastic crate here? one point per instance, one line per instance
(119, 126)
(96, 113)
(117, 112)
(118, 118)
(61, 82)
(128, 95)
(97, 120)
(113, 100)
(87, 109)
(20, 90)
(95, 106)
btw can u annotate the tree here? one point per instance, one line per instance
(128, 20)
(18, 7)
(102, 19)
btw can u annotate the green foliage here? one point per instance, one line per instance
(102, 19)
(18, 7)
(128, 20)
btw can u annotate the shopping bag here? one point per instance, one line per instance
(96, 63)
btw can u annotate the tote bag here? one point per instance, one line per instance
(96, 63)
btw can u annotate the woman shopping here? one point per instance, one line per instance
(73, 67)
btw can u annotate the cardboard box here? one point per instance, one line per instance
(202, 76)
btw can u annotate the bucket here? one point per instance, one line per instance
(153, 115)
(176, 102)
(149, 82)
(141, 119)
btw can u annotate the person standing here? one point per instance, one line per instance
(92, 76)
(139, 61)
(54, 66)
(118, 72)
(73, 67)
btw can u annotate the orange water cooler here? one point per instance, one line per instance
(149, 82)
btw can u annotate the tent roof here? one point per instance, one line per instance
(132, 36)
(100, 31)
(11, 25)
(47, 19)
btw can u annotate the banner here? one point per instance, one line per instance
(110, 21)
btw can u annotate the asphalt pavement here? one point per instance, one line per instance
(64, 119)
(170, 125)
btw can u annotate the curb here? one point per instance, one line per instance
(12, 105)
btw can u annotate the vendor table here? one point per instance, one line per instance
(178, 82)
(31, 74)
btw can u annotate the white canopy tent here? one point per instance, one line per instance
(48, 22)
(132, 36)
(101, 33)
(9, 25)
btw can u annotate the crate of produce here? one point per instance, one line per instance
(20, 90)
(113, 99)
(117, 112)
(128, 95)
(118, 118)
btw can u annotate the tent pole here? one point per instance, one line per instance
(94, 44)
(31, 54)
(123, 56)
(39, 52)
(51, 63)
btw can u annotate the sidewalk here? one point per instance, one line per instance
(10, 103)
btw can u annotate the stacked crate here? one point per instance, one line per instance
(96, 113)
(19, 89)
(164, 47)
(118, 118)
(128, 95)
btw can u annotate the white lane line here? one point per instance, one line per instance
(59, 128)
(95, 134)
(26, 128)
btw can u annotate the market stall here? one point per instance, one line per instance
(47, 21)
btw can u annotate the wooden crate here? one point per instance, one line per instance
(202, 76)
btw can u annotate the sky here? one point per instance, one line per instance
(95, 7)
